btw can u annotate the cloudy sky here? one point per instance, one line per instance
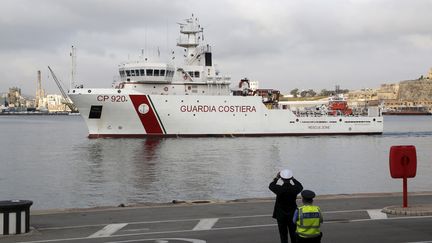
(284, 44)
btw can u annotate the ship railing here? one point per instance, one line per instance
(303, 113)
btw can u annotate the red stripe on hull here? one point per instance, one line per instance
(149, 120)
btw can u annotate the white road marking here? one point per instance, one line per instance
(107, 230)
(188, 220)
(419, 242)
(161, 240)
(136, 230)
(205, 224)
(376, 214)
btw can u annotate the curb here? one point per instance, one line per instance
(176, 202)
(416, 210)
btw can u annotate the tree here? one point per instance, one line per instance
(325, 92)
(294, 92)
(344, 91)
(303, 93)
(311, 92)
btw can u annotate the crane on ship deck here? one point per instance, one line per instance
(67, 101)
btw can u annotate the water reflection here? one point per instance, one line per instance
(95, 158)
(145, 159)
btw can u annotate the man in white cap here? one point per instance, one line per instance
(285, 205)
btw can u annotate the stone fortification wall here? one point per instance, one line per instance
(388, 92)
(415, 90)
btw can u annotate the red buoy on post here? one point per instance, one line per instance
(403, 164)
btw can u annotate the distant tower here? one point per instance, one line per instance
(39, 94)
(337, 89)
(73, 69)
(430, 74)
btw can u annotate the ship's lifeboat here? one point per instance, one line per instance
(244, 86)
(339, 106)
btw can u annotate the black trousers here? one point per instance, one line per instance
(309, 240)
(286, 226)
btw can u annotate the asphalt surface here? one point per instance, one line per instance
(347, 218)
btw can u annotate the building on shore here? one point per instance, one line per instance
(416, 94)
(55, 103)
(15, 101)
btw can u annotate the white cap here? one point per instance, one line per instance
(286, 174)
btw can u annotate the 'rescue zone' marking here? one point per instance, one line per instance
(376, 214)
(150, 119)
(205, 224)
(108, 230)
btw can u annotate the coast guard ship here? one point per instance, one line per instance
(195, 99)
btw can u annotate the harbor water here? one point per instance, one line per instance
(50, 160)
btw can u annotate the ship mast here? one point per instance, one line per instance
(189, 38)
(73, 68)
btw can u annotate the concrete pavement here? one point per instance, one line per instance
(353, 218)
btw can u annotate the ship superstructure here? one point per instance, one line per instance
(195, 99)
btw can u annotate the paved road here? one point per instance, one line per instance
(347, 219)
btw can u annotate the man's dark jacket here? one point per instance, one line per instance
(286, 196)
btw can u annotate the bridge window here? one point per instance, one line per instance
(128, 73)
(197, 74)
(122, 73)
(162, 72)
(191, 74)
(170, 73)
(149, 72)
(142, 72)
(156, 72)
(137, 73)
(132, 73)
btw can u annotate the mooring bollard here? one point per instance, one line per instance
(15, 217)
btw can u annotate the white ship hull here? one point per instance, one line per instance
(128, 113)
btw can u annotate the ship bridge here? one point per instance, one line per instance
(146, 72)
(196, 76)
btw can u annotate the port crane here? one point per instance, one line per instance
(67, 101)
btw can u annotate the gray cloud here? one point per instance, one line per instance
(284, 44)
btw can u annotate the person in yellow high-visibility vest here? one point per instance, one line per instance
(308, 219)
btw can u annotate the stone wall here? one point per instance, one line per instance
(415, 90)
